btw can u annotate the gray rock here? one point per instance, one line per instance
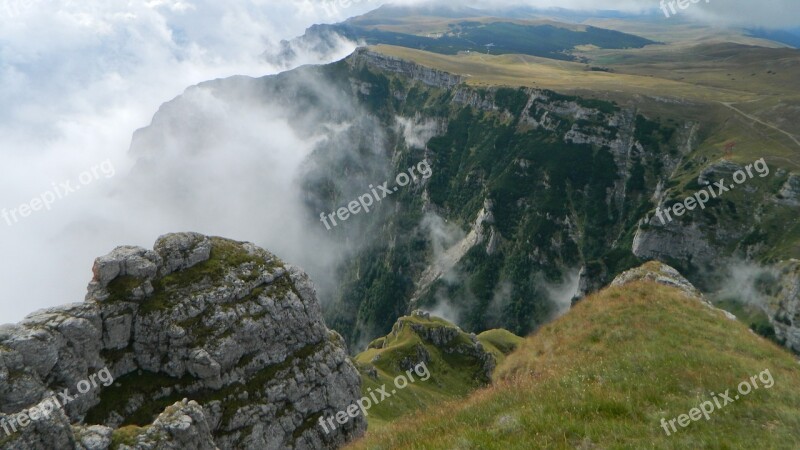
(428, 76)
(246, 334)
(784, 306)
(790, 192)
(661, 274)
(182, 251)
(94, 437)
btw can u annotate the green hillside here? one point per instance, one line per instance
(605, 374)
(499, 38)
(457, 362)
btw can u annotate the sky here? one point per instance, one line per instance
(77, 78)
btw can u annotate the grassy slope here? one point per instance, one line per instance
(452, 376)
(605, 374)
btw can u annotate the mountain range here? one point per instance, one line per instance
(531, 273)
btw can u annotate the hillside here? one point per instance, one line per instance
(455, 30)
(605, 374)
(457, 363)
(535, 196)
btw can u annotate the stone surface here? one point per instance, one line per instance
(430, 77)
(784, 307)
(659, 273)
(222, 323)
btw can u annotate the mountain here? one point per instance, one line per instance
(207, 343)
(200, 343)
(538, 194)
(645, 351)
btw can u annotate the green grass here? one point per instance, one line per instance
(225, 255)
(605, 374)
(500, 342)
(126, 436)
(453, 375)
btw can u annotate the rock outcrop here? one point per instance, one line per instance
(211, 343)
(431, 77)
(441, 335)
(663, 274)
(785, 308)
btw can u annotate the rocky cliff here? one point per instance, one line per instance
(784, 309)
(211, 343)
(363, 57)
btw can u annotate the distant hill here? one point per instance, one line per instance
(451, 31)
(788, 37)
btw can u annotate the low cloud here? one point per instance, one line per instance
(75, 94)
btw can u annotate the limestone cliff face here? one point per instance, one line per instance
(784, 310)
(211, 343)
(431, 77)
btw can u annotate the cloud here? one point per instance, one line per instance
(74, 94)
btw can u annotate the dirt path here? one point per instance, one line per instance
(756, 119)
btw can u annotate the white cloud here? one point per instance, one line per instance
(76, 80)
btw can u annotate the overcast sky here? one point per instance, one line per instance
(78, 77)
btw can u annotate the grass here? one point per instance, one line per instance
(680, 81)
(500, 343)
(453, 375)
(605, 374)
(126, 436)
(225, 255)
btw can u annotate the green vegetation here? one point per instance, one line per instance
(500, 342)
(604, 376)
(750, 315)
(122, 287)
(151, 387)
(535, 180)
(453, 374)
(225, 256)
(499, 37)
(126, 436)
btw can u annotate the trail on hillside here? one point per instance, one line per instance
(756, 119)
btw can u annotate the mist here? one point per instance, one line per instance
(72, 99)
